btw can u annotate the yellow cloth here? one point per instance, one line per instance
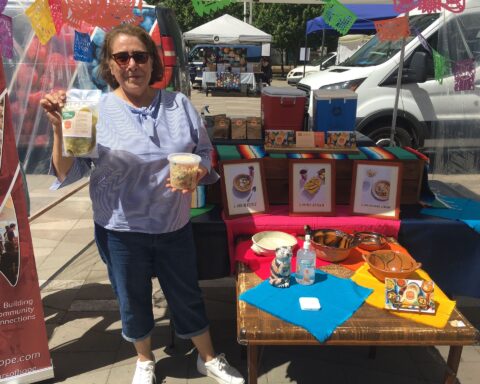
(444, 306)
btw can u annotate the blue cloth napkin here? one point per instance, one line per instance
(466, 210)
(339, 299)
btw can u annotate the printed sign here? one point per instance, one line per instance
(24, 355)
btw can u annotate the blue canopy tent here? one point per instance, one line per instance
(366, 14)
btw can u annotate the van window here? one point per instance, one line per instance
(376, 52)
(325, 61)
(432, 42)
(461, 38)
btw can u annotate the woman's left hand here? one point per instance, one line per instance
(201, 172)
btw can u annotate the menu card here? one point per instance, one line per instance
(409, 295)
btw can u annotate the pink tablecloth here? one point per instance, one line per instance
(279, 220)
(261, 264)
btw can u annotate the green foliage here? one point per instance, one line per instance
(285, 22)
(188, 18)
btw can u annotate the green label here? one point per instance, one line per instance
(68, 114)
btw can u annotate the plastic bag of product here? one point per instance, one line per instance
(79, 120)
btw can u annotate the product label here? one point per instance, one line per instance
(77, 124)
(305, 273)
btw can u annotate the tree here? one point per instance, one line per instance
(188, 19)
(285, 22)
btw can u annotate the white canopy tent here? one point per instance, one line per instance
(227, 29)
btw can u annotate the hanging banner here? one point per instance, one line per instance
(440, 66)
(392, 29)
(82, 47)
(429, 6)
(41, 20)
(56, 12)
(464, 72)
(6, 44)
(24, 354)
(338, 16)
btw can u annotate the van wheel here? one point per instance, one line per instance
(380, 134)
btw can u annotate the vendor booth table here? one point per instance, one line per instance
(369, 326)
(247, 80)
(448, 249)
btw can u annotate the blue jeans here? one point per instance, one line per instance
(132, 260)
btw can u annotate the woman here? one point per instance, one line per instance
(141, 223)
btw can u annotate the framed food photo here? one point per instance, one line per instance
(376, 188)
(311, 187)
(243, 187)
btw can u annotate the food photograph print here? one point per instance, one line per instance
(243, 188)
(312, 187)
(9, 243)
(376, 188)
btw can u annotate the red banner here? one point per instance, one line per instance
(24, 354)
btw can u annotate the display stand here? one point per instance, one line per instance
(209, 83)
(23, 338)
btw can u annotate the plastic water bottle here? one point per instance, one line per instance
(305, 269)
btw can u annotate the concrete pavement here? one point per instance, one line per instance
(84, 328)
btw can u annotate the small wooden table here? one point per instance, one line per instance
(369, 326)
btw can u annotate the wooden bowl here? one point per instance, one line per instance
(331, 244)
(370, 241)
(388, 263)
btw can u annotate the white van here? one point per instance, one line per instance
(424, 103)
(347, 45)
(316, 65)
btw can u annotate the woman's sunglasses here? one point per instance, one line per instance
(123, 58)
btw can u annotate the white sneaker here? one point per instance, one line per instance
(219, 369)
(144, 373)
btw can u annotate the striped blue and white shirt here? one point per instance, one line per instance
(127, 184)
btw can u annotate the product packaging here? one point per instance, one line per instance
(79, 120)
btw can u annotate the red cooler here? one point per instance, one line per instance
(283, 108)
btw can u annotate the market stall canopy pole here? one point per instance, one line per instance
(227, 29)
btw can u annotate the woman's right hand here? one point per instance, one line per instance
(52, 103)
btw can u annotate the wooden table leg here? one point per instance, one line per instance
(453, 362)
(252, 361)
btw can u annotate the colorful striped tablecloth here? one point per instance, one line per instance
(243, 151)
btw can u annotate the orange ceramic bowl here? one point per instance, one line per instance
(332, 245)
(370, 241)
(388, 263)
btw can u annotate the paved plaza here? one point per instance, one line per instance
(84, 328)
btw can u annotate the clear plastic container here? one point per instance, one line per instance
(305, 267)
(183, 170)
